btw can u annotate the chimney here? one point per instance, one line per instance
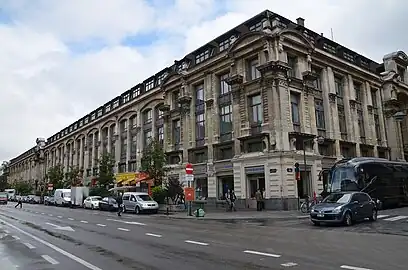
(300, 21)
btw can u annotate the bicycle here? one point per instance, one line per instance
(303, 207)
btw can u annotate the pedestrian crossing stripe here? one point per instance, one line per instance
(395, 218)
(382, 216)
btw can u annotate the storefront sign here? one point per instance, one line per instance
(254, 170)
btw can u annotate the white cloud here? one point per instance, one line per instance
(45, 86)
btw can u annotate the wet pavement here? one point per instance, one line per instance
(86, 239)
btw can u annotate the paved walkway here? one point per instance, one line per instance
(242, 216)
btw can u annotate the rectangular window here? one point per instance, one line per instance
(126, 98)
(136, 92)
(147, 137)
(161, 78)
(225, 88)
(256, 109)
(100, 112)
(225, 120)
(149, 85)
(200, 127)
(342, 120)
(123, 148)
(223, 45)
(319, 110)
(377, 127)
(294, 105)
(147, 116)
(86, 120)
(292, 63)
(202, 56)
(116, 104)
(176, 132)
(256, 27)
(160, 135)
(253, 71)
(329, 48)
(348, 57)
(374, 97)
(107, 108)
(357, 91)
(175, 97)
(338, 84)
(133, 147)
(93, 116)
(361, 123)
(318, 82)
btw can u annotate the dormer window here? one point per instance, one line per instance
(256, 27)
(116, 104)
(81, 123)
(93, 116)
(75, 126)
(202, 56)
(348, 57)
(136, 92)
(329, 48)
(161, 78)
(86, 120)
(126, 98)
(224, 45)
(107, 108)
(149, 85)
(100, 112)
(70, 128)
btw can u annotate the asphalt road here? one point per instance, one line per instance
(41, 237)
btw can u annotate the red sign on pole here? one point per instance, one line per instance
(189, 168)
(189, 194)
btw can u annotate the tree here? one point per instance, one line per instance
(154, 162)
(55, 176)
(106, 176)
(23, 188)
(174, 188)
(73, 177)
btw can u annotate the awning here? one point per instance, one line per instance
(121, 177)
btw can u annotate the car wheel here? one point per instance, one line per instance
(348, 220)
(92, 207)
(374, 214)
(137, 210)
(316, 223)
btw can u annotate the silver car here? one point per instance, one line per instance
(139, 202)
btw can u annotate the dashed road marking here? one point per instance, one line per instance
(353, 267)
(382, 216)
(196, 243)
(37, 212)
(16, 237)
(84, 221)
(42, 213)
(71, 218)
(101, 225)
(127, 222)
(49, 259)
(395, 218)
(59, 216)
(51, 215)
(289, 264)
(154, 235)
(262, 253)
(123, 229)
(7, 231)
(29, 245)
(57, 249)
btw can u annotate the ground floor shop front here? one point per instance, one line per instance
(272, 174)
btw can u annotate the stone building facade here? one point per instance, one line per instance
(242, 109)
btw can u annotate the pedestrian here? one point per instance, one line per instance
(258, 197)
(232, 199)
(120, 204)
(263, 198)
(19, 203)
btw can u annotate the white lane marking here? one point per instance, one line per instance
(37, 212)
(16, 237)
(127, 222)
(262, 253)
(123, 229)
(29, 245)
(42, 213)
(57, 249)
(154, 235)
(382, 216)
(395, 218)
(353, 267)
(196, 243)
(71, 218)
(59, 217)
(7, 231)
(51, 215)
(101, 225)
(289, 264)
(84, 221)
(49, 259)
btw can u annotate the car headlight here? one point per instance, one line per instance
(338, 209)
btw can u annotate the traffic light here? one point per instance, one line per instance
(297, 171)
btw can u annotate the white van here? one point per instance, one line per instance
(139, 202)
(62, 197)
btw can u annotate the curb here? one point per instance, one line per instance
(236, 220)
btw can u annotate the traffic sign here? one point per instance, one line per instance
(189, 168)
(50, 186)
(189, 194)
(189, 178)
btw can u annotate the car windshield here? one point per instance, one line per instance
(337, 198)
(97, 199)
(3, 195)
(145, 198)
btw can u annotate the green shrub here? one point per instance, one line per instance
(159, 194)
(99, 191)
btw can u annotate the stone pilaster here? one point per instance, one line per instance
(236, 80)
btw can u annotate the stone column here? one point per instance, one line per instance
(236, 80)
(186, 129)
(394, 138)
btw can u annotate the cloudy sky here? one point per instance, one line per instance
(61, 59)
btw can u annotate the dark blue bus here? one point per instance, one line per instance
(384, 180)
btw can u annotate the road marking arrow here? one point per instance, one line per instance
(62, 228)
(128, 222)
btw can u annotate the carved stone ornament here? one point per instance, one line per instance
(309, 78)
(389, 75)
(209, 103)
(332, 98)
(236, 91)
(164, 108)
(275, 67)
(370, 109)
(235, 79)
(353, 103)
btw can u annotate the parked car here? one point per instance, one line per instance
(344, 207)
(92, 202)
(108, 204)
(3, 197)
(139, 202)
(49, 200)
(62, 197)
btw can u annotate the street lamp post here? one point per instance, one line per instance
(320, 140)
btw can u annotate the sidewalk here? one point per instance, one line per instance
(249, 216)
